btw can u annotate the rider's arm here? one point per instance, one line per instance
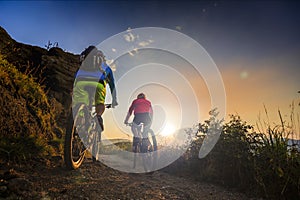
(111, 83)
(130, 110)
(127, 118)
(151, 112)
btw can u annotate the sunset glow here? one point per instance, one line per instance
(168, 129)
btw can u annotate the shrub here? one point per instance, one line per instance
(260, 164)
(27, 124)
(229, 161)
(276, 163)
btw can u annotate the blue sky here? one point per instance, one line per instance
(246, 26)
(255, 44)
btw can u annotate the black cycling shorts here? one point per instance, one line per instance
(142, 118)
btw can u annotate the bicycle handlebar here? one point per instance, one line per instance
(109, 105)
(129, 124)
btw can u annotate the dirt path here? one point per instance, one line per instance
(96, 181)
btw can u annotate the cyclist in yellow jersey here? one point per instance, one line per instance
(91, 78)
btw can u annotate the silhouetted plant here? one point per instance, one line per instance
(276, 163)
(50, 45)
(258, 163)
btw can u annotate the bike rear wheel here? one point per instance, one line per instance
(146, 150)
(74, 149)
(149, 152)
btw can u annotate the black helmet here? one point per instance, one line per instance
(87, 51)
(95, 57)
(141, 96)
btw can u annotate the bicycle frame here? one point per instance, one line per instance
(94, 131)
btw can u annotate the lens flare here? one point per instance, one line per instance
(166, 65)
(168, 129)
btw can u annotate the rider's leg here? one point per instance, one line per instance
(153, 140)
(136, 136)
(100, 110)
(145, 135)
(135, 144)
(100, 107)
(99, 101)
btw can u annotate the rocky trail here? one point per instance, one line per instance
(97, 181)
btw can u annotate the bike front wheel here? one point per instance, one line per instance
(74, 149)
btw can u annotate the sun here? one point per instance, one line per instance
(168, 129)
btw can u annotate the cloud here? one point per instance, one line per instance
(130, 53)
(143, 44)
(129, 37)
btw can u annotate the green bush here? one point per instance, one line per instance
(259, 164)
(229, 163)
(27, 124)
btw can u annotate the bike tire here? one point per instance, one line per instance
(136, 149)
(146, 154)
(72, 140)
(149, 152)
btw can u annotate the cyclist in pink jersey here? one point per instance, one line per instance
(143, 113)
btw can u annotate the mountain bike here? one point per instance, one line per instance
(144, 147)
(83, 131)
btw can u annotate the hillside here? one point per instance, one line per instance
(53, 68)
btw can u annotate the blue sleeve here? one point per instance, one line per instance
(111, 82)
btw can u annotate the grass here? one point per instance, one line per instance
(261, 164)
(116, 147)
(27, 124)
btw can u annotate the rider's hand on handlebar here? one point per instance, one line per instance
(114, 103)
